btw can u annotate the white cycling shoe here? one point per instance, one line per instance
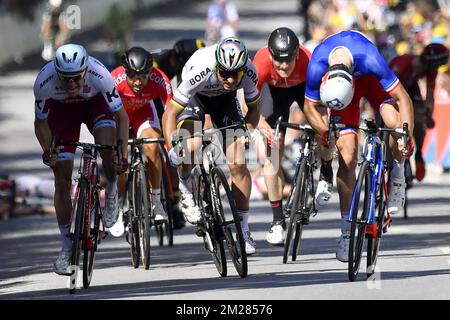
(323, 192)
(396, 199)
(276, 235)
(343, 247)
(118, 229)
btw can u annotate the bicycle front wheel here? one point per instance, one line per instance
(77, 233)
(373, 243)
(142, 204)
(216, 246)
(295, 225)
(360, 203)
(91, 229)
(225, 209)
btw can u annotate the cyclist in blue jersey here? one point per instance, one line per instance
(344, 68)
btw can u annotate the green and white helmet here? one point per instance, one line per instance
(231, 54)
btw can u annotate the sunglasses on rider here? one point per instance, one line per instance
(75, 78)
(229, 74)
(136, 75)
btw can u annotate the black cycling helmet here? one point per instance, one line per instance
(283, 44)
(185, 48)
(434, 55)
(137, 60)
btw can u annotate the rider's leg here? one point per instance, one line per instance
(391, 118)
(347, 145)
(107, 135)
(241, 185)
(63, 203)
(153, 168)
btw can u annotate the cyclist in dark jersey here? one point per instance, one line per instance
(409, 69)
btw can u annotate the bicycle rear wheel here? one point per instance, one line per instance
(142, 205)
(295, 225)
(167, 201)
(92, 228)
(77, 233)
(211, 226)
(225, 208)
(359, 217)
(373, 243)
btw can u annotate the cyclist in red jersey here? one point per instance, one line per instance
(282, 65)
(144, 88)
(409, 69)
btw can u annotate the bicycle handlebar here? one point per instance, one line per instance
(294, 126)
(209, 132)
(139, 141)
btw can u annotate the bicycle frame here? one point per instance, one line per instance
(374, 152)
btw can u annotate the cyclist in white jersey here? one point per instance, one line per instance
(75, 89)
(210, 79)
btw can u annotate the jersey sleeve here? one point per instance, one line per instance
(191, 83)
(250, 83)
(260, 63)
(41, 94)
(106, 85)
(377, 66)
(314, 74)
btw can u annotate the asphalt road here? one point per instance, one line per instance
(415, 254)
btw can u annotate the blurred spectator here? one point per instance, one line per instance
(222, 20)
(118, 27)
(54, 29)
(171, 61)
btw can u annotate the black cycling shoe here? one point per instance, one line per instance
(178, 219)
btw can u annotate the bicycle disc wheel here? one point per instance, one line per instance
(225, 208)
(208, 220)
(76, 234)
(294, 226)
(373, 244)
(92, 228)
(359, 217)
(141, 203)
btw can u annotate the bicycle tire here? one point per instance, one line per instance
(91, 240)
(218, 252)
(167, 226)
(358, 224)
(77, 237)
(141, 203)
(294, 216)
(373, 244)
(135, 250)
(226, 211)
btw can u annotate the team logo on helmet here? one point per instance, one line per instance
(335, 104)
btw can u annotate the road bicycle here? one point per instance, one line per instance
(86, 216)
(220, 223)
(368, 213)
(138, 215)
(300, 202)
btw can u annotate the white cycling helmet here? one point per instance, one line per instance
(337, 89)
(55, 3)
(231, 54)
(71, 59)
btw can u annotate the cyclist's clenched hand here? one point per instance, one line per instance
(122, 165)
(407, 150)
(50, 157)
